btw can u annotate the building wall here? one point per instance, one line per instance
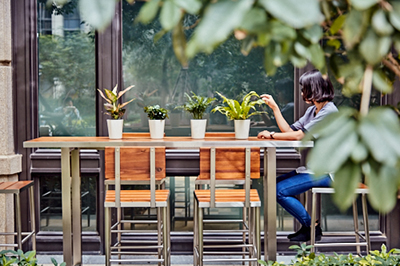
(10, 163)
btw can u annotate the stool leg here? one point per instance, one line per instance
(107, 235)
(165, 237)
(366, 224)
(18, 219)
(356, 230)
(32, 213)
(257, 236)
(244, 234)
(313, 218)
(200, 233)
(168, 232)
(195, 232)
(159, 227)
(119, 218)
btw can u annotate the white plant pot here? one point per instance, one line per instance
(198, 128)
(242, 129)
(156, 129)
(115, 127)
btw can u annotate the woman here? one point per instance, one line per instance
(318, 92)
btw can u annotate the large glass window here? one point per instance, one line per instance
(66, 74)
(159, 78)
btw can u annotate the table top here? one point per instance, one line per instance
(168, 142)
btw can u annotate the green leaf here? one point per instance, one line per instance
(269, 65)
(330, 152)
(346, 181)
(394, 15)
(170, 15)
(98, 13)
(302, 50)
(298, 14)
(383, 184)
(380, 131)
(363, 4)
(360, 153)
(227, 14)
(317, 56)
(281, 32)
(380, 23)
(298, 61)
(313, 34)
(149, 11)
(255, 20)
(334, 42)
(337, 24)
(381, 82)
(191, 6)
(373, 48)
(354, 27)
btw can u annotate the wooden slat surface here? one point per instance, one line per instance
(227, 195)
(137, 195)
(135, 163)
(220, 134)
(136, 134)
(14, 185)
(229, 163)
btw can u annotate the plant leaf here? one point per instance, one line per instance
(149, 11)
(170, 15)
(98, 13)
(363, 4)
(298, 14)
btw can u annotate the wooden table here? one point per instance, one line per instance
(70, 178)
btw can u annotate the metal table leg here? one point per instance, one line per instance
(270, 245)
(66, 206)
(76, 208)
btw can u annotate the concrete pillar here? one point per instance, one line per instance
(10, 163)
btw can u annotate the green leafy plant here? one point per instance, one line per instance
(240, 111)
(11, 257)
(155, 112)
(115, 109)
(196, 105)
(304, 257)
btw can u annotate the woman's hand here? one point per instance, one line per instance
(264, 135)
(269, 101)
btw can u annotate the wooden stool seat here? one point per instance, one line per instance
(227, 196)
(132, 197)
(16, 187)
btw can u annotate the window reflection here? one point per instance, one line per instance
(159, 78)
(66, 73)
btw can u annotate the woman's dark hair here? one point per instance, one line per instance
(315, 87)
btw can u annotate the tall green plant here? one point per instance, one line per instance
(115, 109)
(240, 111)
(196, 105)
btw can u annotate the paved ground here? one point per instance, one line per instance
(175, 260)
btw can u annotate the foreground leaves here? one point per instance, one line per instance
(353, 147)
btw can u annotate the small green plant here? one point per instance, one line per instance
(305, 257)
(240, 111)
(196, 105)
(11, 257)
(115, 109)
(155, 112)
(303, 250)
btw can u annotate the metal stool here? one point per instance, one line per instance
(16, 188)
(363, 192)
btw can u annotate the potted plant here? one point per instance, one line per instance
(157, 116)
(115, 110)
(196, 105)
(240, 112)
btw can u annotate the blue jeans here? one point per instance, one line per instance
(291, 184)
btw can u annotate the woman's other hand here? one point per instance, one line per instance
(269, 100)
(264, 135)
